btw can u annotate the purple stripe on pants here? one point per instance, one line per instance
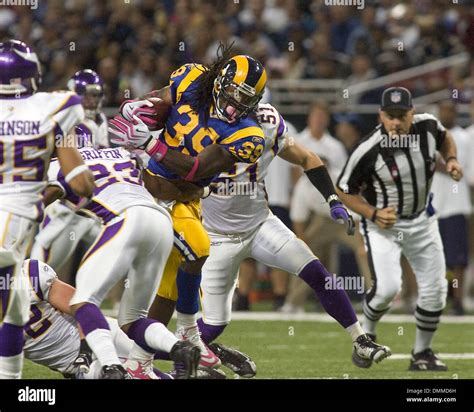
(6, 276)
(33, 269)
(107, 235)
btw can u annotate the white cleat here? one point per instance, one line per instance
(140, 369)
(192, 334)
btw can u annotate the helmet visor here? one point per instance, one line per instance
(236, 103)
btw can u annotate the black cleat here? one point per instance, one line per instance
(426, 361)
(238, 362)
(114, 372)
(367, 351)
(186, 357)
(83, 362)
(205, 372)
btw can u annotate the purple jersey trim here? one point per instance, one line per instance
(71, 101)
(281, 127)
(33, 269)
(100, 211)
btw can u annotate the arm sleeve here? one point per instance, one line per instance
(354, 173)
(282, 136)
(246, 145)
(56, 178)
(182, 78)
(70, 113)
(437, 129)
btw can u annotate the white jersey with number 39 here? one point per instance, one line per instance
(238, 201)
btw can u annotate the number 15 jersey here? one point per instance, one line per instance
(29, 129)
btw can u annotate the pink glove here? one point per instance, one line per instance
(143, 109)
(135, 134)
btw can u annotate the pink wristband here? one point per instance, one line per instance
(192, 172)
(155, 147)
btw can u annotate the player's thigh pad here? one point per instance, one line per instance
(16, 233)
(191, 242)
(219, 276)
(277, 246)
(147, 266)
(191, 239)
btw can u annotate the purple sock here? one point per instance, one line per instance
(11, 340)
(162, 375)
(209, 332)
(335, 301)
(136, 332)
(161, 355)
(90, 318)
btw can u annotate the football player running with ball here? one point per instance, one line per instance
(208, 119)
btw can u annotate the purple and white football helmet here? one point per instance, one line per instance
(20, 71)
(88, 84)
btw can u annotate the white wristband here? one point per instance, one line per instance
(206, 192)
(76, 172)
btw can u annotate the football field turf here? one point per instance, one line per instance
(321, 349)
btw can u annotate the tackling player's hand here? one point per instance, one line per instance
(454, 168)
(143, 109)
(385, 218)
(338, 212)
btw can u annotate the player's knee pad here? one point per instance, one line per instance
(7, 257)
(18, 302)
(382, 294)
(433, 297)
(294, 256)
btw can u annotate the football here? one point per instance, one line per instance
(162, 111)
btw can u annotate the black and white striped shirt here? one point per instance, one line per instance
(395, 176)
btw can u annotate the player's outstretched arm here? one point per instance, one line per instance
(77, 174)
(319, 177)
(60, 295)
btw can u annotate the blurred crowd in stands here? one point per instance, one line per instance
(136, 44)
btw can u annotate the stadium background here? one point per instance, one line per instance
(312, 50)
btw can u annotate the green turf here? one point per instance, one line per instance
(290, 349)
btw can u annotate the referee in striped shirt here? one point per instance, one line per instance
(387, 181)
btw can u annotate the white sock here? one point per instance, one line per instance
(369, 325)
(139, 354)
(101, 343)
(355, 330)
(11, 366)
(185, 321)
(423, 340)
(158, 337)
